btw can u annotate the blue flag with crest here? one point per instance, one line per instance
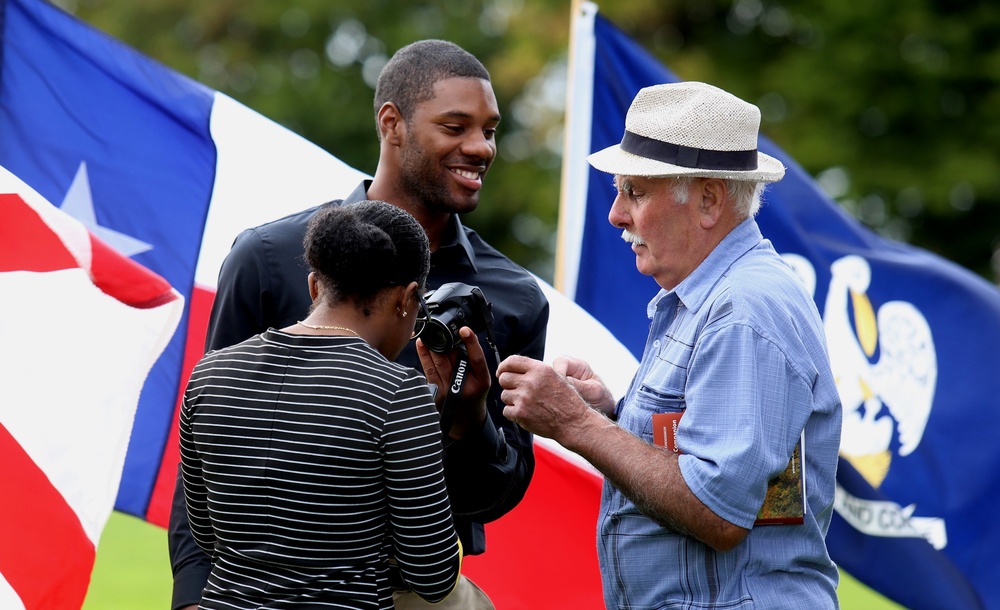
(911, 337)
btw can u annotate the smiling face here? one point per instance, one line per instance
(449, 145)
(665, 226)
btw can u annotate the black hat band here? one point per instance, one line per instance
(685, 156)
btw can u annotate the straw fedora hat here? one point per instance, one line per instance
(689, 129)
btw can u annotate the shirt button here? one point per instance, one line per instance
(656, 343)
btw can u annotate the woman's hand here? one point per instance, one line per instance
(440, 369)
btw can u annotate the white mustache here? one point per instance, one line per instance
(632, 238)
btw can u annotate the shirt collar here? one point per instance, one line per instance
(358, 194)
(695, 288)
(454, 240)
(457, 243)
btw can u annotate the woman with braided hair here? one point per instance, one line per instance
(311, 462)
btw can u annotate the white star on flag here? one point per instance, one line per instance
(79, 203)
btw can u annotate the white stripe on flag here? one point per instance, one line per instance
(263, 172)
(9, 600)
(73, 382)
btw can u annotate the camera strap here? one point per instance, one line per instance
(458, 382)
(454, 390)
(462, 368)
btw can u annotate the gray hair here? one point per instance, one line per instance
(746, 196)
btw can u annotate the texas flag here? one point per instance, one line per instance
(80, 328)
(164, 170)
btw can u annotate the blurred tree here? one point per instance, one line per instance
(892, 107)
(312, 66)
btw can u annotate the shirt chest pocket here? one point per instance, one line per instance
(661, 389)
(637, 418)
(670, 369)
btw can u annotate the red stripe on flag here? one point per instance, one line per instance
(124, 279)
(28, 242)
(45, 554)
(162, 497)
(543, 554)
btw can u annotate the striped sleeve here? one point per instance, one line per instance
(195, 491)
(426, 546)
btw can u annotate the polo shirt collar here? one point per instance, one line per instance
(695, 288)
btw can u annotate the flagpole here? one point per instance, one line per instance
(576, 144)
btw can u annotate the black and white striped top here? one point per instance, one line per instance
(309, 461)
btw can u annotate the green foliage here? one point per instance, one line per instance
(893, 107)
(900, 101)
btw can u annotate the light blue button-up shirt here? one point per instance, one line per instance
(739, 347)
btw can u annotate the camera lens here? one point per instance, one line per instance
(438, 336)
(449, 308)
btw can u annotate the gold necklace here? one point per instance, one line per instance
(322, 327)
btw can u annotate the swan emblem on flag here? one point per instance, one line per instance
(884, 364)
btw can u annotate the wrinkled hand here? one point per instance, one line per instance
(470, 412)
(585, 381)
(539, 398)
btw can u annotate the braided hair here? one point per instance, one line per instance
(359, 250)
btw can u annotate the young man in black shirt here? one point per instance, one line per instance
(436, 115)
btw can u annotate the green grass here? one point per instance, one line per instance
(133, 572)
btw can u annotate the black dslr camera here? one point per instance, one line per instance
(451, 307)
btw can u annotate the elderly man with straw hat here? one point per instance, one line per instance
(734, 382)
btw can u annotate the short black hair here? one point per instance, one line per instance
(359, 250)
(408, 78)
